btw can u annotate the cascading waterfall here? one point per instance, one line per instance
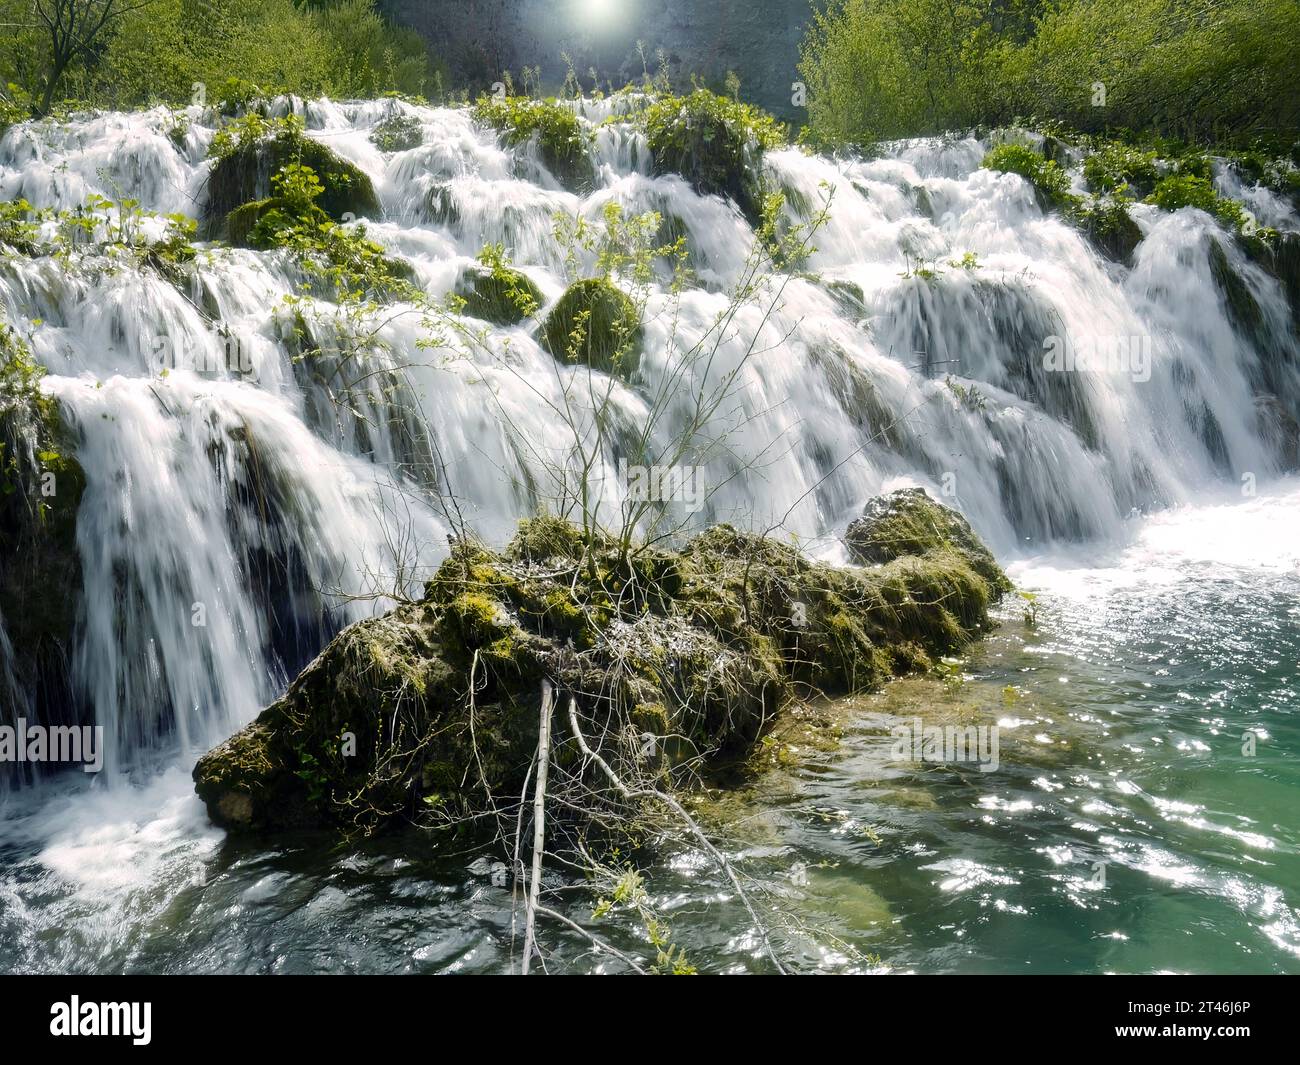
(233, 520)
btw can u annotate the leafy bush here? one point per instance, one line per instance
(562, 142)
(715, 142)
(595, 323)
(340, 256)
(878, 69)
(1050, 181)
(1115, 165)
(248, 148)
(239, 50)
(1188, 190)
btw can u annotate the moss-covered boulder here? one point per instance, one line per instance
(500, 295)
(715, 143)
(41, 484)
(563, 144)
(430, 713)
(247, 159)
(274, 213)
(910, 522)
(1110, 228)
(596, 323)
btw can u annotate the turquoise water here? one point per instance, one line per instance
(1124, 831)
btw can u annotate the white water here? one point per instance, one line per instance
(268, 505)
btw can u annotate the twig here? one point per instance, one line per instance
(596, 941)
(539, 822)
(680, 811)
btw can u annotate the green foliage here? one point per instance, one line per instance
(100, 228)
(397, 133)
(1188, 190)
(495, 291)
(1050, 181)
(340, 257)
(1107, 223)
(237, 50)
(562, 143)
(595, 323)
(247, 148)
(877, 69)
(715, 142)
(20, 373)
(1116, 166)
(17, 230)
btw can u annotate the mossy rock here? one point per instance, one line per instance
(1281, 258)
(910, 522)
(715, 143)
(600, 322)
(563, 145)
(242, 228)
(1110, 228)
(430, 713)
(244, 176)
(41, 485)
(1242, 308)
(503, 296)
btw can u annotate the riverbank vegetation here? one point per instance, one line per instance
(1212, 73)
(122, 54)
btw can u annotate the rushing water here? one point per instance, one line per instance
(1124, 830)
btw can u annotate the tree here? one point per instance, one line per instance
(73, 27)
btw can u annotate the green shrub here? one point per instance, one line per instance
(1051, 183)
(1188, 190)
(563, 145)
(248, 148)
(1115, 166)
(715, 142)
(496, 292)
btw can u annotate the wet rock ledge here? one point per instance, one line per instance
(677, 662)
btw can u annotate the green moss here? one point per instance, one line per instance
(250, 151)
(597, 324)
(1190, 190)
(714, 142)
(1242, 308)
(703, 647)
(496, 292)
(41, 485)
(909, 522)
(563, 145)
(1109, 226)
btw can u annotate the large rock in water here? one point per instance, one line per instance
(41, 484)
(909, 522)
(431, 712)
(244, 176)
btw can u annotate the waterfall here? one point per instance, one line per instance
(234, 518)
